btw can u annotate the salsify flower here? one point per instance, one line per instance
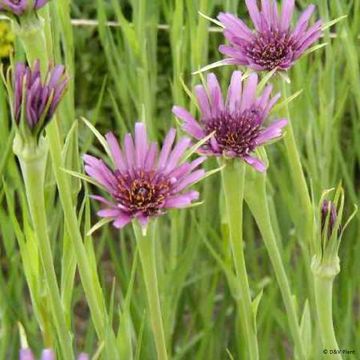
(47, 354)
(35, 100)
(19, 7)
(274, 44)
(144, 182)
(237, 124)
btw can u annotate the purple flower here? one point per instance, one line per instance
(328, 213)
(19, 7)
(274, 44)
(144, 182)
(237, 123)
(35, 100)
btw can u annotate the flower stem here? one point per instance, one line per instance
(323, 297)
(233, 176)
(33, 164)
(146, 246)
(257, 202)
(297, 172)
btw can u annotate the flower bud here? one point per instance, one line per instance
(326, 262)
(35, 100)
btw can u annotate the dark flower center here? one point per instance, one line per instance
(270, 49)
(236, 132)
(142, 191)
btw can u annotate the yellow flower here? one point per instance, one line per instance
(7, 39)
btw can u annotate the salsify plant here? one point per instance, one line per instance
(274, 44)
(143, 185)
(204, 300)
(237, 123)
(235, 128)
(33, 104)
(325, 264)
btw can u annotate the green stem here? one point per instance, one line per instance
(323, 297)
(256, 199)
(34, 42)
(146, 246)
(33, 164)
(233, 176)
(297, 172)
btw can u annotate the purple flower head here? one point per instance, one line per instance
(144, 182)
(274, 44)
(19, 7)
(328, 216)
(237, 122)
(35, 100)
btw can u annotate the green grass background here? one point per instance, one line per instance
(135, 71)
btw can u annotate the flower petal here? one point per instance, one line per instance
(233, 100)
(249, 92)
(116, 153)
(191, 126)
(273, 131)
(256, 163)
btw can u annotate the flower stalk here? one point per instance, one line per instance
(256, 199)
(233, 176)
(33, 164)
(146, 246)
(323, 282)
(297, 172)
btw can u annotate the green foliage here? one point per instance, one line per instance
(137, 71)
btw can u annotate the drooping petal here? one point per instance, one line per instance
(190, 179)
(122, 220)
(236, 26)
(190, 125)
(183, 200)
(256, 163)
(272, 132)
